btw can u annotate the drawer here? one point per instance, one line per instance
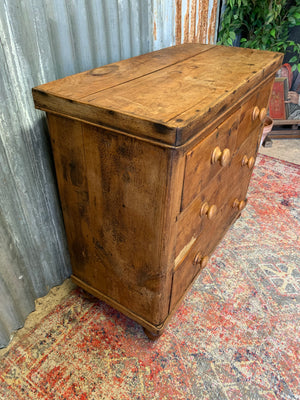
(208, 158)
(199, 235)
(198, 256)
(205, 212)
(253, 112)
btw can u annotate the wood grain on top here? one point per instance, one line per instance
(160, 94)
(86, 83)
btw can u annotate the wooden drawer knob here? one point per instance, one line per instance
(210, 211)
(255, 113)
(262, 114)
(239, 204)
(200, 260)
(222, 156)
(248, 161)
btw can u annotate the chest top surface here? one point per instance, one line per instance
(160, 95)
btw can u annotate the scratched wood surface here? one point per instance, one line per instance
(217, 192)
(199, 170)
(161, 95)
(113, 201)
(153, 162)
(75, 87)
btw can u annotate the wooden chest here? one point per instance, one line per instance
(153, 157)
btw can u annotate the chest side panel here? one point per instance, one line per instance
(113, 192)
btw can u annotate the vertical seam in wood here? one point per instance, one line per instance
(182, 186)
(171, 293)
(169, 178)
(178, 134)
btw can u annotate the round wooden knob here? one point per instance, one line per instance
(202, 261)
(210, 211)
(239, 204)
(262, 114)
(248, 161)
(251, 162)
(255, 113)
(222, 156)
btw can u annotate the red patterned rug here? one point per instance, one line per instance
(236, 336)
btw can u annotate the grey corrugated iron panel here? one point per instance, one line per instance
(43, 41)
(87, 34)
(33, 254)
(163, 24)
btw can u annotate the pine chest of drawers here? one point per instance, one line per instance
(153, 157)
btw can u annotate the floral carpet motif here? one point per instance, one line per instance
(236, 335)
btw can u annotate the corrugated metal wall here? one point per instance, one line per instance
(184, 21)
(196, 21)
(41, 41)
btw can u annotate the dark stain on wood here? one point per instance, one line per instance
(105, 70)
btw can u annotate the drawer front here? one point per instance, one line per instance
(198, 256)
(198, 235)
(253, 112)
(208, 158)
(205, 212)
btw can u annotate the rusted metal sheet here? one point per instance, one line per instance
(162, 20)
(196, 21)
(178, 25)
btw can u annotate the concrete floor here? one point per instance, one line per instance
(284, 149)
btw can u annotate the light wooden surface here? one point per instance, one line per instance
(153, 159)
(166, 96)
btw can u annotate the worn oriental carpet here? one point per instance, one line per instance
(236, 336)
